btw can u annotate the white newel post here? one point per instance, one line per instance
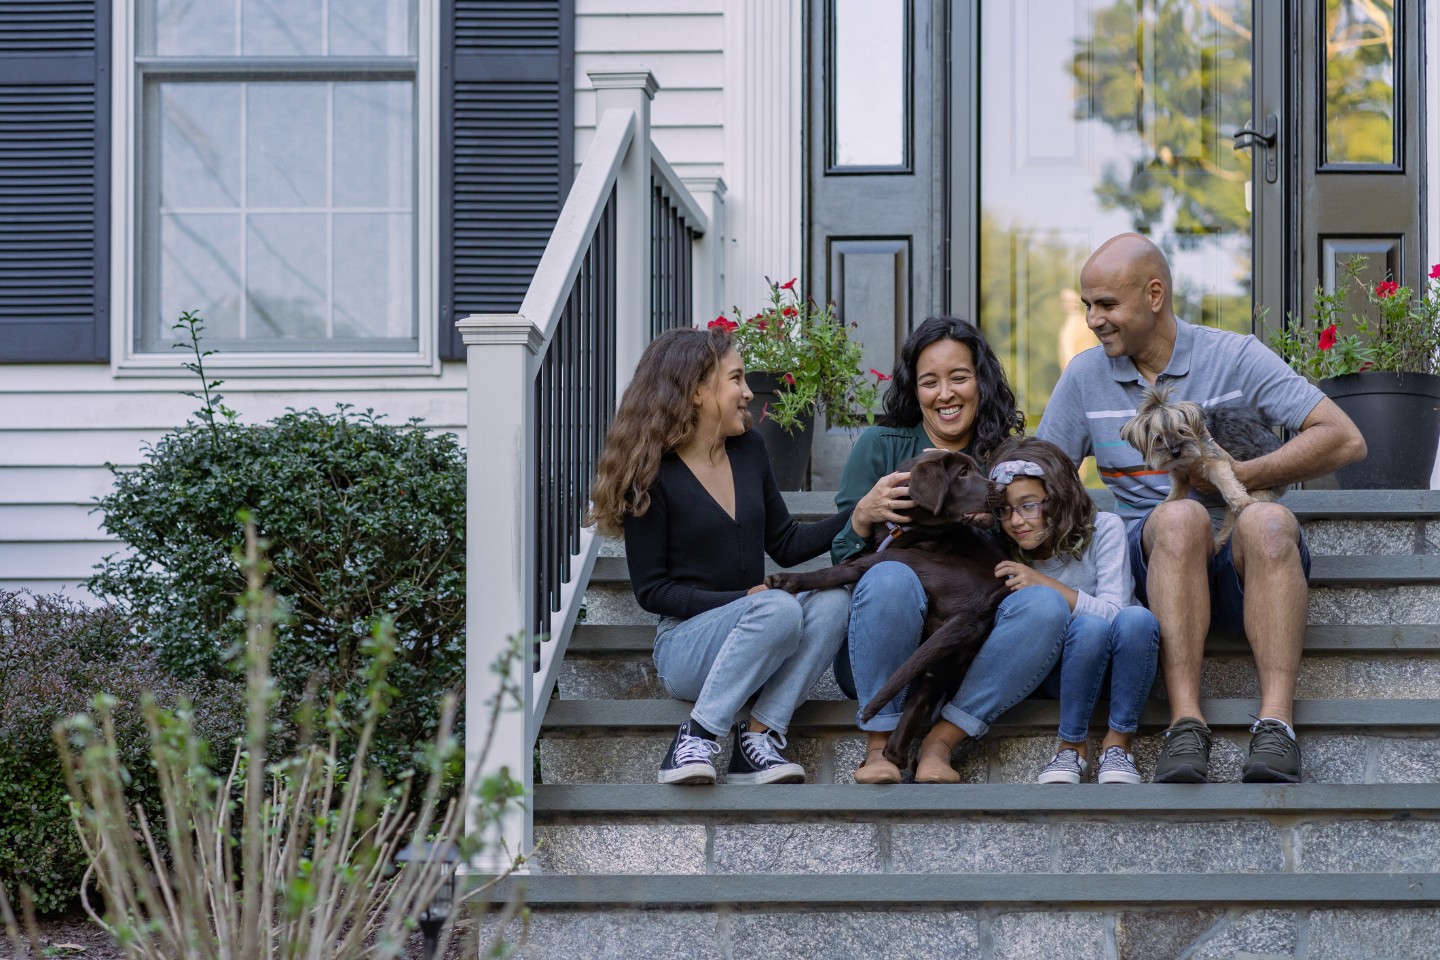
(630, 89)
(499, 576)
(708, 275)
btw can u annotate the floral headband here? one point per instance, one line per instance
(1003, 473)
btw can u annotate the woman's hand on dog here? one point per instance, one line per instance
(886, 503)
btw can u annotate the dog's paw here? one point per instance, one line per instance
(782, 581)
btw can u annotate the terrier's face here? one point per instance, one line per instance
(1166, 433)
(949, 487)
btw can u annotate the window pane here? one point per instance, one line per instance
(374, 155)
(367, 28)
(285, 144)
(292, 28)
(1360, 81)
(374, 278)
(869, 96)
(199, 270)
(288, 293)
(200, 145)
(185, 28)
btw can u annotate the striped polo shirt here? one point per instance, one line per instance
(1214, 368)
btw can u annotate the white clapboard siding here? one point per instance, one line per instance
(60, 424)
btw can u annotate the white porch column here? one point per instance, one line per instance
(499, 552)
(630, 89)
(708, 276)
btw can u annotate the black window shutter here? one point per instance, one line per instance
(507, 149)
(54, 180)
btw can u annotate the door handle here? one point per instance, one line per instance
(1249, 137)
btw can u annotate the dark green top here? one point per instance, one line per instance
(878, 451)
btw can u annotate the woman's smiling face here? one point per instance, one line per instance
(948, 393)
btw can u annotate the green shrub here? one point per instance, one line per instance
(55, 658)
(361, 519)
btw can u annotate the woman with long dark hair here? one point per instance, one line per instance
(689, 485)
(948, 390)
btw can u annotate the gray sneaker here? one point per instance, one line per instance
(1117, 766)
(1067, 766)
(1185, 756)
(1274, 754)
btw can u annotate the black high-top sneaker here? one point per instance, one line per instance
(688, 760)
(756, 759)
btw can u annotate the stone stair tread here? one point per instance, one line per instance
(1325, 571)
(638, 639)
(585, 716)
(554, 801)
(1305, 504)
(1049, 889)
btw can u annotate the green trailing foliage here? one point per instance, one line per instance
(56, 657)
(364, 519)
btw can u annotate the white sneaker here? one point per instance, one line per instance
(1067, 766)
(1117, 766)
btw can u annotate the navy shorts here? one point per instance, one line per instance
(1227, 593)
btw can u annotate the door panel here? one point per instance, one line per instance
(875, 219)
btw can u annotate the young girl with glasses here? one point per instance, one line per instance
(1058, 540)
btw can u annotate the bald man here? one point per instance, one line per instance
(1258, 581)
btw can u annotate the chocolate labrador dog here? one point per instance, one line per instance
(956, 567)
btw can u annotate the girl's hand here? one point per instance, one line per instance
(1018, 576)
(756, 589)
(885, 503)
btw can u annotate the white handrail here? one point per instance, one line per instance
(678, 193)
(545, 299)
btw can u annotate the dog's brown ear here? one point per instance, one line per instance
(929, 485)
(1132, 433)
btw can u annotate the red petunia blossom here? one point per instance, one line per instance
(760, 323)
(1367, 365)
(788, 312)
(1327, 337)
(790, 285)
(720, 323)
(790, 379)
(879, 377)
(1386, 288)
(1435, 272)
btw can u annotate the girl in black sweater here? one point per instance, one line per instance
(689, 485)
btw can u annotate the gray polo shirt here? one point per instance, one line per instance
(1214, 368)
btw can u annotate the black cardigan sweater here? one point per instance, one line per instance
(686, 555)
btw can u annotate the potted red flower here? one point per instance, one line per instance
(1380, 367)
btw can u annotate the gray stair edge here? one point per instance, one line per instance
(1042, 889)
(638, 639)
(554, 802)
(1305, 504)
(1325, 571)
(656, 716)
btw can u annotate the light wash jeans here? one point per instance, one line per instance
(771, 641)
(1126, 648)
(886, 617)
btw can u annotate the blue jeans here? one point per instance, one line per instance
(1125, 648)
(769, 641)
(887, 613)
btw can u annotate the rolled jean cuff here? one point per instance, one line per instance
(971, 725)
(780, 728)
(1062, 734)
(880, 723)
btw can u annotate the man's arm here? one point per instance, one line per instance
(1328, 440)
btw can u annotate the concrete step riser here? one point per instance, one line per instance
(1323, 676)
(964, 843)
(1329, 757)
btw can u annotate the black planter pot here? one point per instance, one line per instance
(1399, 416)
(789, 452)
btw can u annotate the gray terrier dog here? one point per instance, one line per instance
(1179, 435)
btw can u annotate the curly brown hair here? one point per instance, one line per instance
(1069, 511)
(656, 415)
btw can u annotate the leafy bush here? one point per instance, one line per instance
(362, 519)
(55, 658)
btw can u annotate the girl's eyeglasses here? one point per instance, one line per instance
(1030, 511)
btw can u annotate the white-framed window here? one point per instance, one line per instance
(279, 171)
